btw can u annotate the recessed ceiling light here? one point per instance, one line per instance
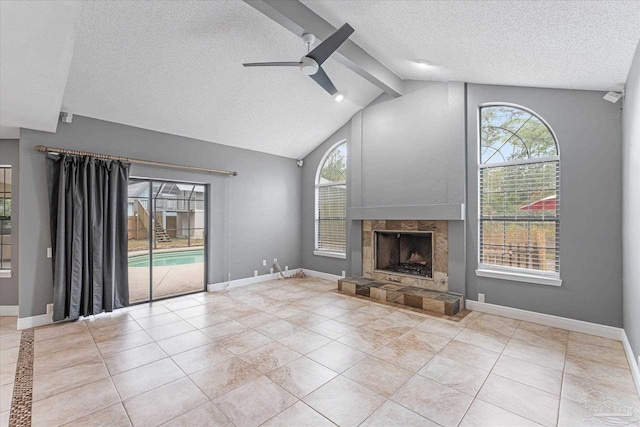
(423, 63)
(338, 97)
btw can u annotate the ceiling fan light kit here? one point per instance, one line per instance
(308, 66)
(311, 63)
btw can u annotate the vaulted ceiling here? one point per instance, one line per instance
(176, 66)
(564, 44)
(36, 46)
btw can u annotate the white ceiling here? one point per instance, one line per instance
(559, 44)
(176, 67)
(36, 45)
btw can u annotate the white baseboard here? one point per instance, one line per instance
(548, 320)
(321, 275)
(263, 278)
(633, 364)
(242, 282)
(34, 321)
(9, 310)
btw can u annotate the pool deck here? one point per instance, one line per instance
(167, 280)
(159, 251)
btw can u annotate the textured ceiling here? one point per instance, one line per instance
(558, 44)
(36, 45)
(176, 67)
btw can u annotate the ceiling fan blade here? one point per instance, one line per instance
(331, 44)
(272, 64)
(323, 80)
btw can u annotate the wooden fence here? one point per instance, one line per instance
(514, 250)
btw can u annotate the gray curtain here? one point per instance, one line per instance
(88, 213)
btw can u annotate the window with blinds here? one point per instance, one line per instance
(5, 218)
(519, 176)
(331, 202)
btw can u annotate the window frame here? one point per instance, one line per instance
(317, 186)
(6, 273)
(549, 278)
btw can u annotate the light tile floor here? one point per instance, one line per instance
(294, 353)
(9, 347)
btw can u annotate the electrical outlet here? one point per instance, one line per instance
(480, 297)
(271, 270)
(275, 260)
(264, 262)
(255, 273)
(50, 308)
(49, 253)
(286, 268)
(344, 274)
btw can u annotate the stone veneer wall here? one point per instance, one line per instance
(440, 229)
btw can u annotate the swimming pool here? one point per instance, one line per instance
(168, 258)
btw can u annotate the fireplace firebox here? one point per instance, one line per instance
(403, 252)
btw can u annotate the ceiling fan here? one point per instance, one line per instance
(310, 64)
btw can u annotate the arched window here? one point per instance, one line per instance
(331, 203)
(519, 176)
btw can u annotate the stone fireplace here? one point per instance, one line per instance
(408, 252)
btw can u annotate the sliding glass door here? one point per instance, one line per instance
(167, 236)
(139, 243)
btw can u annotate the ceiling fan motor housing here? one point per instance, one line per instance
(308, 66)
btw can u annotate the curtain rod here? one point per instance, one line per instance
(43, 149)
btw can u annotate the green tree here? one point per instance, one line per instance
(335, 166)
(509, 133)
(5, 208)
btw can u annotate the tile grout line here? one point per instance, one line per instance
(109, 374)
(512, 338)
(475, 396)
(388, 398)
(110, 380)
(493, 367)
(403, 384)
(527, 361)
(564, 369)
(21, 402)
(209, 400)
(119, 396)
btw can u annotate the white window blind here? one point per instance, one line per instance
(331, 202)
(519, 179)
(332, 220)
(519, 220)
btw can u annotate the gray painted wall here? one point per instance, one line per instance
(253, 216)
(309, 170)
(402, 152)
(10, 155)
(589, 135)
(413, 147)
(631, 206)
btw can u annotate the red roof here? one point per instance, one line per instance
(546, 204)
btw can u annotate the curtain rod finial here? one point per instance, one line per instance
(41, 148)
